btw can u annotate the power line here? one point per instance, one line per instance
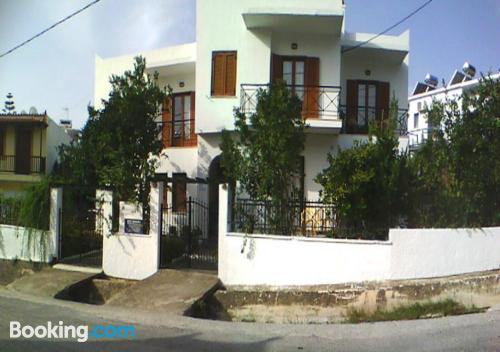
(48, 29)
(388, 29)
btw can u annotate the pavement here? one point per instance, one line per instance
(158, 331)
(168, 291)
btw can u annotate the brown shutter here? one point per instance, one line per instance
(193, 137)
(276, 68)
(352, 106)
(165, 196)
(311, 104)
(167, 123)
(230, 84)
(383, 100)
(218, 68)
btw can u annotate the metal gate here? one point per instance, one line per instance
(185, 241)
(80, 238)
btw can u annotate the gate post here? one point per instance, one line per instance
(55, 222)
(155, 222)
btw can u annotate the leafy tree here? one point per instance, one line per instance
(265, 152)
(9, 106)
(457, 172)
(118, 142)
(368, 183)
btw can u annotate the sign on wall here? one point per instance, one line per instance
(135, 226)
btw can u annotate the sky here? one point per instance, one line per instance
(56, 71)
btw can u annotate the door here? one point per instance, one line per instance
(23, 151)
(182, 120)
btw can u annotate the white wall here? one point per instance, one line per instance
(422, 253)
(56, 136)
(266, 260)
(24, 244)
(131, 256)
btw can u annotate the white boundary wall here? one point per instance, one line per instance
(131, 256)
(20, 243)
(409, 254)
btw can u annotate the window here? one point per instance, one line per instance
(294, 75)
(223, 73)
(178, 121)
(179, 197)
(366, 101)
(415, 119)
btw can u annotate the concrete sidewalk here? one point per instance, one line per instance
(47, 282)
(168, 291)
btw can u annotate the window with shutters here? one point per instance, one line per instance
(178, 120)
(179, 196)
(224, 65)
(366, 101)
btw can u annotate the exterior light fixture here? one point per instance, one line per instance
(295, 46)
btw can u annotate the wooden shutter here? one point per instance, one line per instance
(311, 104)
(383, 100)
(179, 192)
(276, 68)
(166, 132)
(230, 84)
(218, 68)
(352, 106)
(224, 66)
(193, 137)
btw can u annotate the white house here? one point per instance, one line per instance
(426, 93)
(245, 45)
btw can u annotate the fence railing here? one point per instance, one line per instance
(419, 136)
(364, 115)
(318, 101)
(11, 163)
(178, 133)
(300, 218)
(9, 213)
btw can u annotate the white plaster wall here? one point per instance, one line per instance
(422, 253)
(131, 256)
(56, 136)
(24, 244)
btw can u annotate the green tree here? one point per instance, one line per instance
(264, 154)
(457, 172)
(118, 141)
(9, 106)
(368, 183)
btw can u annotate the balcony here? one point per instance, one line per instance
(418, 137)
(358, 121)
(22, 166)
(178, 133)
(320, 106)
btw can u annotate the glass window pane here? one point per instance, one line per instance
(299, 73)
(178, 108)
(287, 72)
(361, 95)
(187, 107)
(372, 96)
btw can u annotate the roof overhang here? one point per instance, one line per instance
(302, 21)
(26, 120)
(172, 68)
(390, 49)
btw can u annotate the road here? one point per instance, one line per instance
(477, 332)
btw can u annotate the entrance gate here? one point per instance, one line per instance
(80, 238)
(185, 241)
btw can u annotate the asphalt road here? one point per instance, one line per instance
(477, 332)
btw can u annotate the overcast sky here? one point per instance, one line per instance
(56, 71)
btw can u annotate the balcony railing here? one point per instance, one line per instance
(418, 137)
(21, 166)
(178, 133)
(360, 121)
(318, 101)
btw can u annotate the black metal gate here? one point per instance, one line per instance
(80, 238)
(185, 241)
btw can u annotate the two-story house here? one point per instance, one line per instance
(427, 93)
(28, 149)
(344, 81)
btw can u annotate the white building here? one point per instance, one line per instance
(246, 44)
(425, 94)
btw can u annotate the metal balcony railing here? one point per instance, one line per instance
(17, 165)
(318, 101)
(178, 133)
(418, 137)
(360, 122)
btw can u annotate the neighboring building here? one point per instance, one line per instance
(28, 149)
(427, 92)
(247, 44)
